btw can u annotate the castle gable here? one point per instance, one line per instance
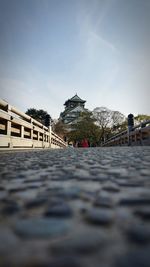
(77, 109)
(73, 107)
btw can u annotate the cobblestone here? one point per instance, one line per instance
(75, 207)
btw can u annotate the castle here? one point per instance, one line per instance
(73, 108)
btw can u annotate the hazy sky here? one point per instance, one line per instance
(52, 49)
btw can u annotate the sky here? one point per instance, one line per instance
(52, 49)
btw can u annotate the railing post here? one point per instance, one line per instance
(43, 137)
(9, 122)
(50, 135)
(32, 127)
(38, 136)
(9, 126)
(22, 131)
(130, 127)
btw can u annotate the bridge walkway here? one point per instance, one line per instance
(75, 207)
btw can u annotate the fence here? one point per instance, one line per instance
(18, 130)
(139, 135)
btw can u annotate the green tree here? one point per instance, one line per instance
(142, 117)
(60, 128)
(85, 127)
(38, 115)
(119, 127)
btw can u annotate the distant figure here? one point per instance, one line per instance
(76, 144)
(84, 143)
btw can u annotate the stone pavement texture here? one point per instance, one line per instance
(75, 207)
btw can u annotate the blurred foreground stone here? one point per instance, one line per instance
(75, 207)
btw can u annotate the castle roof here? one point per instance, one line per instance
(75, 98)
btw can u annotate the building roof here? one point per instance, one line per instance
(75, 98)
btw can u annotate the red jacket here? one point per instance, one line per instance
(84, 143)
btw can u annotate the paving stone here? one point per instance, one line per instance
(99, 216)
(65, 261)
(82, 243)
(69, 193)
(36, 202)
(32, 181)
(8, 241)
(10, 208)
(53, 189)
(144, 213)
(58, 210)
(138, 233)
(3, 194)
(134, 258)
(125, 183)
(2, 188)
(40, 228)
(111, 187)
(15, 190)
(103, 201)
(118, 171)
(145, 172)
(26, 195)
(132, 201)
(87, 195)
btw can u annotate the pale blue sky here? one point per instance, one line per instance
(52, 49)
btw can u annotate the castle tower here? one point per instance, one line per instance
(73, 107)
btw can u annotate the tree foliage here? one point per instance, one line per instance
(60, 128)
(108, 121)
(38, 115)
(142, 117)
(85, 127)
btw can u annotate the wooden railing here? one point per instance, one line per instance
(139, 135)
(18, 130)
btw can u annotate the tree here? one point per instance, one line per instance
(141, 117)
(117, 118)
(85, 127)
(122, 126)
(39, 115)
(60, 128)
(108, 121)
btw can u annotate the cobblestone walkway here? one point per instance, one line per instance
(75, 208)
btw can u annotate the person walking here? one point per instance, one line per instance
(85, 143)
